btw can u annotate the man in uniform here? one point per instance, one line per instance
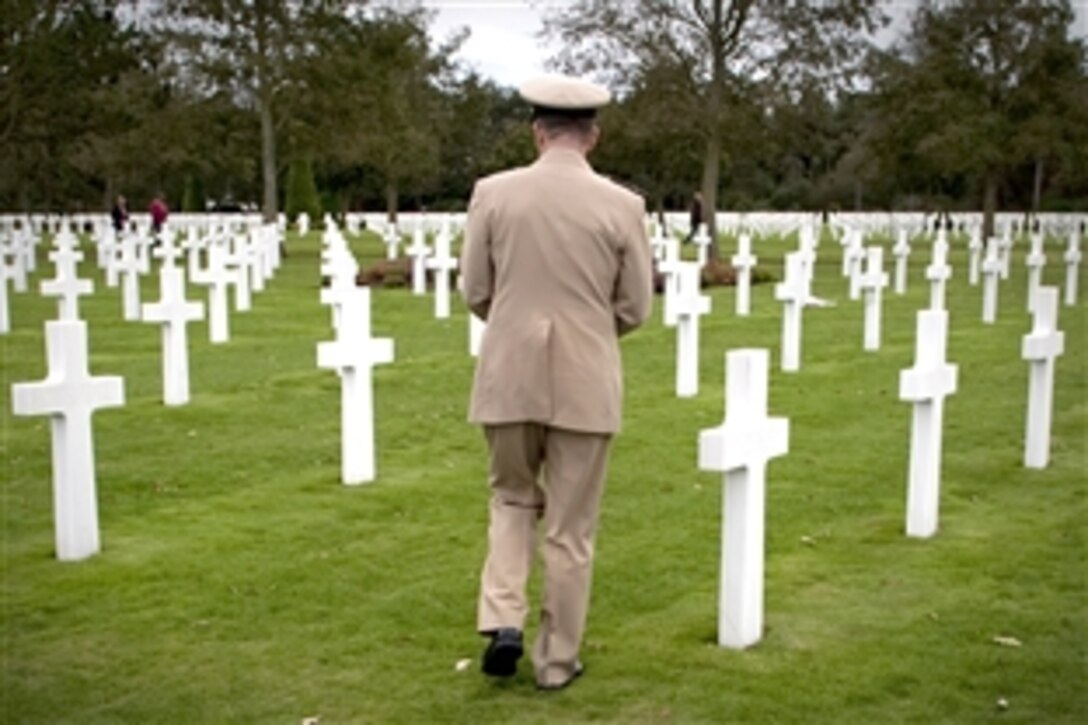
(557, 261)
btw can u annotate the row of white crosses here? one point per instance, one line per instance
(353, 355)
(741, 447)
(173, 313)
(69, 395)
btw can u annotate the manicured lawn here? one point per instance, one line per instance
(241, 582)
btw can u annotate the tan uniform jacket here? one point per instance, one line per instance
(557, 261)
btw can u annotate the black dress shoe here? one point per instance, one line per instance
(579, 668)
(503, 652)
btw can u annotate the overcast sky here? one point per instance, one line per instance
(502, 45)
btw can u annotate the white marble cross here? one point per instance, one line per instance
(111, 249)
(1035, 262)
(255, 253)
(854, 254)
(991, 273)
(130, 266)
(1072, 259)
(901, 250)
(167, 250)
(939, 272)
(657, 241)
(743, 262)
(443, 264)
(237, 261)
(690, 304)
(701, 240)
(13, 259)
(5, 309)
(342, 271)
(353, 355)
(173, 312)
(193, 245)
(669, 266)
(807, 253)
(69, 395)
(974, 250)
(1004, 246)
(216, 277)
(793, 292)
(872, 284)
(391, 241)
(418, 251)
(925, 386)
(1041, 347)
(66, 286)
(740, 448)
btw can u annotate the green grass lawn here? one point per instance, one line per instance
(239, 581)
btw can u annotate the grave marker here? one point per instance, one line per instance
(901, 250)
(353, 355)
(925, 386)
(689, 306)
(872, 284)
(740, 448)
(991, 272)
(1035, 262)
(1041, 348)
(418, 251)
(66, 285)
(938, 272)
(70, 395)
(974, 250)
(793, 293)
(173, 312)
(1072, 259)
(443, 265)
(670, 268)
(216, 278)
(743, 262)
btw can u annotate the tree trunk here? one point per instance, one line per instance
(269, 206)
(1037, 187)
(989, 203)
(391, 200)
(711, 170)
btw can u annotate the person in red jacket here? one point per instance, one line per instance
(159, 211)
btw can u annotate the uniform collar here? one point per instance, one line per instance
(563, 157)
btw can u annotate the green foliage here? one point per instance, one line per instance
(193, 199)
(978, 88)
(302, 193)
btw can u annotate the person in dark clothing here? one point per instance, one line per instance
(119, 214)
(695, 216)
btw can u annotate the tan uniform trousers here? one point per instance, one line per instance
(567, 498)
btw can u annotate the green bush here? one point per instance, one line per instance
(302, 193)
(193, 198)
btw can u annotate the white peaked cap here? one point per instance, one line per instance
(564, 93)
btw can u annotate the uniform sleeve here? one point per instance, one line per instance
(634, 284)
(477, 271)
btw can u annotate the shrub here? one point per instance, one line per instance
(302, 193)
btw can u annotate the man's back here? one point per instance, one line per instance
(557, 261)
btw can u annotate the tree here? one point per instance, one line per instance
(722, 44)
(71, 77)
(978, 87)
(249, 49)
